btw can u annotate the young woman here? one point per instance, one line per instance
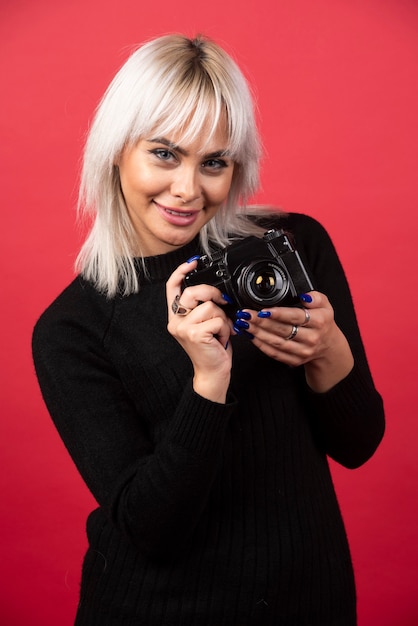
(203, 438)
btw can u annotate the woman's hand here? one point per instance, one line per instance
(306, 335)
(202, 328)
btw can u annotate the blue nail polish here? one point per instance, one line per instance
(264, 314)
(305, 297)
(243, 315)
(238, 330)
(226, 345)
(241, 324)
(196, 257)
(227, 298)
(247, 334)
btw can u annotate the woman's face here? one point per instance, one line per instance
(171, 189)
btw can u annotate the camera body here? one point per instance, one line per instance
(255, 272)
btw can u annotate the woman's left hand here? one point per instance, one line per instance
(305, 335)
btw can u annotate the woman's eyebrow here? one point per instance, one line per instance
(169, 144)
(174, 146)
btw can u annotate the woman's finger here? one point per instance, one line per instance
(181, 301)
(174, 284)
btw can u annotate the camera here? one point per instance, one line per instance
(255, 272)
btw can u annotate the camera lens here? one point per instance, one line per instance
(263, 282)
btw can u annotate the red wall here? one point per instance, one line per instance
(337, 88)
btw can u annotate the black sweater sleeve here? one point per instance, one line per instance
(348, 419)
(153, 492)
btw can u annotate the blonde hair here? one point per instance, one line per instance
(168, 83)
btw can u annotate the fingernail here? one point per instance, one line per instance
(264, 314)
(243, 315)
(237, 330)
(305, 297)
(196, 257)
(226, 345)
(241, 324)
(227, 298)
(247, 334)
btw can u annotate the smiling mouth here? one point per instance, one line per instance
(179, 213)
(176, 212)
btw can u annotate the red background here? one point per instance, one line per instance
(336, 83)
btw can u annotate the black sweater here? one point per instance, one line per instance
(209, 514)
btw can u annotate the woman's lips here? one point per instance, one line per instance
(177, 217)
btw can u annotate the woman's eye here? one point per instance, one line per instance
(163, 154)
(214, 164)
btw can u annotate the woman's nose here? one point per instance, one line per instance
(185, 185)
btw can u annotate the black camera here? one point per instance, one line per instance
(255, 272)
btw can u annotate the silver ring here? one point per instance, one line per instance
(178, 308)
(307, 317)
(293, 333)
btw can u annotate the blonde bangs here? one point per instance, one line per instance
(185, 110)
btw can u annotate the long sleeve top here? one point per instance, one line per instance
(208, 514)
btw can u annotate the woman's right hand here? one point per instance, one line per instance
(203, 333)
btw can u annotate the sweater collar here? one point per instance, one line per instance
(161, 266)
